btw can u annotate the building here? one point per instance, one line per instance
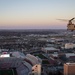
(50, 50)
(70, 55)
(69, 69)
(69, 46)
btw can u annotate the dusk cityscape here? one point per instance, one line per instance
(37, 37)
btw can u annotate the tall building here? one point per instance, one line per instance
(69, 69)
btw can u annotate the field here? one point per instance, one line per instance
(8, 72)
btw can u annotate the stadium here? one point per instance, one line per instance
(15, 63)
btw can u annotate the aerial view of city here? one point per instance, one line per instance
(37, 37)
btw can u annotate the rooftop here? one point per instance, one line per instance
(70, 63)
(50, 48)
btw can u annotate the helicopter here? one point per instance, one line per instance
(70, 25)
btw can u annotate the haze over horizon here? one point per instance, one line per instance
(35, 14)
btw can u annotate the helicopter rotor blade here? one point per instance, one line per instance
(65, 20)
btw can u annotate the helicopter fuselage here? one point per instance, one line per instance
(71, 27)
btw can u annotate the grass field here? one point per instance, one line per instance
(8, 72)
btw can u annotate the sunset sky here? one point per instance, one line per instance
(35, 14)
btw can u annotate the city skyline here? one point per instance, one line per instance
(35, 14)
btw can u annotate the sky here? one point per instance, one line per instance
(35, 14)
